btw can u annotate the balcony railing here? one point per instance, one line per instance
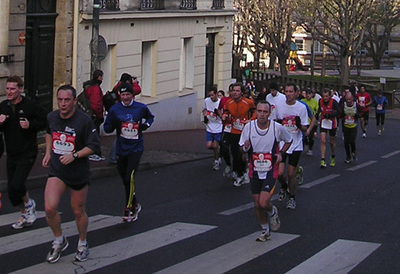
(218, 4)
(152, 5)
(188, 5)
(109, 5)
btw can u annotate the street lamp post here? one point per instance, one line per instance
(94, 45)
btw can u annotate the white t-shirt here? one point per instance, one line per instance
(275, 101)
(287, 114)
(262, 140)
(214, 124)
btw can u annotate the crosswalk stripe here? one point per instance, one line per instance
(42, 235)
(11, 218)
(122, 249)
(340, 257)
(361, 165)
(229, 256)
(390, 154)
(320, 181)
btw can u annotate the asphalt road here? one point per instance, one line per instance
(193, 220)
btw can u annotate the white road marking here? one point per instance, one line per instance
(116, 251)
(229, 256)
(42, 235)
(390, 154)
(357, 167)
(320, 181)
(340, 257)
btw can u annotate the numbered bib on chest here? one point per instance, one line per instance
(326, 124)
(262, 161)
(239, 124)
(349, 120)
(290, 125)
(212, 116)
(129, 130)
(63, 143)
(379, 107)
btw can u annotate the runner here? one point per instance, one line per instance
(70, 138)
(294, 118)
(328, 111)
(225, 149)
(380, 103)
(364, 100)
(349, 115)
(260, 140)
(238, 111)
(213, 125)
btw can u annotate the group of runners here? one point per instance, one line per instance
(261, 140)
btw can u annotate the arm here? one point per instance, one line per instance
(47, 155)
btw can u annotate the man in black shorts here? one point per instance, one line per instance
(70, 138)
(260, 139)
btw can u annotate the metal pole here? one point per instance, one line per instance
(95, 37)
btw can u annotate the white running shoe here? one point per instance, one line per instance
(55, 252)
(264, 236)
(275, 222)
(291, 204)
(239, 181)
(310, 153)
(227, 172)
(216, 165)
(82, 253)
(246, 178)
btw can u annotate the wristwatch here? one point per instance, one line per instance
(75, 155)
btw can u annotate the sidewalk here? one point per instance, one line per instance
(161, 149)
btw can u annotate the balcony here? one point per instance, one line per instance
(188, 5)
(152, 5)
(218, 4)
(109, 5)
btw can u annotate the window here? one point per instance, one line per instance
(148, 68)
(186, 66)
(299, 44)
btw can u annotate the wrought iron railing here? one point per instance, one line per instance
(188, 5)
(218, 4)
(109, 5)
(152, 5)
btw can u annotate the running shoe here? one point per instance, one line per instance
(310, 153)
(264, 236)
(216, 165)
(379, 133)
(347, 161)
(30, 212)
(136, 211)
(333, 162)
(234, 175)
(299, 175)
(21, 223)
(282, 195)
(96, 158)
(55, 252)
(131, 214)
(82, 253)
(355, 157)
(275, 222)
(323, 164)
(127, 217)
(246, 178)
(291, 204)
(364, 135)
(227, 172)
(238, 181)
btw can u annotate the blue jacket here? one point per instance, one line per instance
(382, 102)
(129, 122)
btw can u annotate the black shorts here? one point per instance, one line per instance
(332, 132)
(72, 186)
(258, 185)
(294, 158)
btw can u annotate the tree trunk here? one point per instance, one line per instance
(345, 70)
(282, 67)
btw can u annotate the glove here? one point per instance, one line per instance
(216, 112)
(205, 121)
(298, 122)
(143, 127)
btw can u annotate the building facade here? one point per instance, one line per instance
(176, 48)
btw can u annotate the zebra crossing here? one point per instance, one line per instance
(339, 257)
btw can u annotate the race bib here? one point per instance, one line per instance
(228, 128)
(130, 130)
(262, 162)
(349, 120)
(239, 124)
(326, 124)
(290, 124)
(63, 143)
(379, 107)
(212, 117)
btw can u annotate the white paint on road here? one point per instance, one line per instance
(11, 218)
(357, 167)
(116, 251)
(229, 256)
(320, 181)
(390, 154)
(340, 257)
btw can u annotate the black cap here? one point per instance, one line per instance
(125, 87)
(274, 86)
(309, 90)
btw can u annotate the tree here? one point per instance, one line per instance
(384, 16)
(341, 25)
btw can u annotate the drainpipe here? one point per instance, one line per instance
(75, 44)
(4, 23)
(95, 64)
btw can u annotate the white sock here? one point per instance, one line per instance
(59, 240)
(265, 227)
(82, 243)
(28, 204)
